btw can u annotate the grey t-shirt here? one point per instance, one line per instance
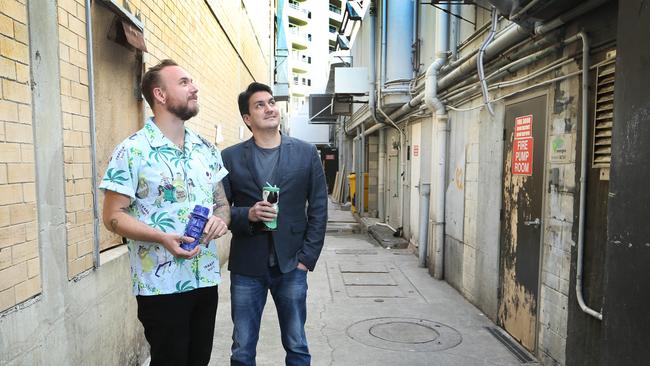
(266, 160)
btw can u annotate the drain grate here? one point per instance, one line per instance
(356, 251)
(511, 346)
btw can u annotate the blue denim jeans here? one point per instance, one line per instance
(248, 297)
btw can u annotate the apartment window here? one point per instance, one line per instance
(309, 60)
(308, 82)
(309, 37)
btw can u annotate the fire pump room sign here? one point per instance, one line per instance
(522, 146)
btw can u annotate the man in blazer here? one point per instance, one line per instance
(275, 261)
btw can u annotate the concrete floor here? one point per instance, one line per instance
(368, 305)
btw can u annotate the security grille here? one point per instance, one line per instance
(604, 112)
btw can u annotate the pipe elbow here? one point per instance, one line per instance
(431, 87)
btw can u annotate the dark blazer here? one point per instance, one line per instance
(302, 215)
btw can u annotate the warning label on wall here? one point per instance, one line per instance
(522, 156)
(524, 127)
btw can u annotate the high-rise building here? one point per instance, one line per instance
(307, 33)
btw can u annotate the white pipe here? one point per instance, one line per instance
(454, 31)
(436, 106)
(93, 143)
(423, 237)
(439, 213)
(508, 37)
(583, 178)
(381, 196)
(479, 62)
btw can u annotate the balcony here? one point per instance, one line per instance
(297, 15)
(299, 40)
(299, 64)
(336, 14)
(297, 90)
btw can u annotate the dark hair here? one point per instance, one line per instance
(245, 96)
(151, 79)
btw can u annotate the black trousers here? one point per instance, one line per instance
(179, 327)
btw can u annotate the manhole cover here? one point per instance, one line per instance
(405, 334)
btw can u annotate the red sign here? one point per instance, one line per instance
(329, 156)
(522, 156)
(524, 127)
(416, 150)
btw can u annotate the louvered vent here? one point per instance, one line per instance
(604, 112)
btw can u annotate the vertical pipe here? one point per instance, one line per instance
(362, 170)
(382, 70)
(380, 172)
(423, 242)
(583, 178)
(439, 217)
(93, 143)
(479, 62)
(416, 39)
(454, 30)
(442, 32)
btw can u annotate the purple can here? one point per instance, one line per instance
(194, 228)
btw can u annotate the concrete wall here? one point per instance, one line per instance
(85, 312)
(626, 321)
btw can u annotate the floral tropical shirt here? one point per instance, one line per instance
(164, 183)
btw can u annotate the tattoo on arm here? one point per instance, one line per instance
(114, 221)
(221, 206)
(114, 225)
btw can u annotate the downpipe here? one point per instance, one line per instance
(425, 190)
(439, 217)
(433, 104)
(93, 143)
(479, 62)
(583, 179)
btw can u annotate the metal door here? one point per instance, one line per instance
(525, 125)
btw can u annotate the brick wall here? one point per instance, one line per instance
(76, 135)
(221, 63)
(19, 258)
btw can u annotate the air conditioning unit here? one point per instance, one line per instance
(351, 80)
(320, 109)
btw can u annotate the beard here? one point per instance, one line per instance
(183, 112)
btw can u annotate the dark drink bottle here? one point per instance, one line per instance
(194, 228)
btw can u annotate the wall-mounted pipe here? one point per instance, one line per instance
(507, 38)
(583, 177)
(93, 143)
(454, 31)
(435, 106)
(381, 190)
(423, 232)
(479, 62)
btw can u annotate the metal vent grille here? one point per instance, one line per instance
(604, 115)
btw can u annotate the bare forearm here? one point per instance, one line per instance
(221, 206)
(117, 220)
(127, 226)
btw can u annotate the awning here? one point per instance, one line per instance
(132, 27)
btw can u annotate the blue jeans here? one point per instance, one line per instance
(248, 297)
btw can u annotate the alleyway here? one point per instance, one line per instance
(372, 306)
